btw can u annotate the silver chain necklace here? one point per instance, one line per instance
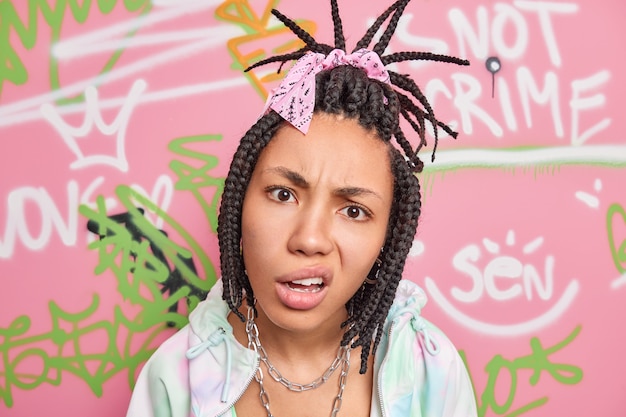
(342, 359)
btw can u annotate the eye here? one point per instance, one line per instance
(356, 212)
(283, 195)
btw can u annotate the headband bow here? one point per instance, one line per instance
(294, 98)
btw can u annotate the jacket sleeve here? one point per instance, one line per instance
(162, 388)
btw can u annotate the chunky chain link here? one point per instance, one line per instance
(342, 359)
(343, 379)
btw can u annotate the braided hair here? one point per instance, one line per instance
(345, 90)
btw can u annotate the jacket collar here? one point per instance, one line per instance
(220, 368)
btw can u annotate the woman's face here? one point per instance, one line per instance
(314, 221)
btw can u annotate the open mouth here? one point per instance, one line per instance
(304, 289)
(306, 285)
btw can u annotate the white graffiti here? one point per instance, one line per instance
(421, 43)
(507, 16)
(522, 280)
(113, 37)
(619, 282)
(20, 225)
(590, 199)
(175, 46)
(516, 329)
(484, 36)
(557, 155)
(93, 117)
(580, 103)
(417, 248)
(161, 195)
(468, 89)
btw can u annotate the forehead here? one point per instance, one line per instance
(334, 147)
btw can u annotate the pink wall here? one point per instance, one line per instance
(110, 106)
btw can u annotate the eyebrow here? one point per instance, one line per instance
(300, 181)
(356, 192)
(292, 176)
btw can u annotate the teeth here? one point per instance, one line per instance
(308, 281)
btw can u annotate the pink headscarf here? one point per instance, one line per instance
(294, 98)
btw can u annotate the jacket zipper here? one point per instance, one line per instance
(380, 371)
(232, 403)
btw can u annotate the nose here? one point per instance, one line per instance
(312, 232)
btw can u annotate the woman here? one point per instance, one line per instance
(318, 214)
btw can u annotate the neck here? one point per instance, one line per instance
(302, 354)
(300, 344)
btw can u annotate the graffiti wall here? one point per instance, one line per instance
(117, 122)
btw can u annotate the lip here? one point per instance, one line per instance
(303, 300)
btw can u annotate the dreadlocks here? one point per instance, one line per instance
(348, 91)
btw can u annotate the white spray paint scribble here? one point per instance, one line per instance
(93, 117)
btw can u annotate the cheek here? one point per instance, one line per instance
(259, 244)
(250, 234)
(250, 244)
(360, 252)
(252, 221)
(253, 261)
(257, 229)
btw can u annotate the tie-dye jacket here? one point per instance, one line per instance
(202, 370)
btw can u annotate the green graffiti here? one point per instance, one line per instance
(538, 362)
(12, 27)
(124, 256)
(156, 277)
(142, 259)
(195, 179)
(618, 249)
(32, 360)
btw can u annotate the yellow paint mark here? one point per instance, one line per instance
(260, 41)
